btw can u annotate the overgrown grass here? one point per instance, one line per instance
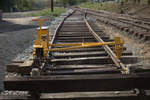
(47, 12)
(110, 6)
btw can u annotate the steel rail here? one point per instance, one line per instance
(83, 83)
(54, 37)
(115, 19)
(113, 56)
(105, 15)
(58, 28)
(144, 20)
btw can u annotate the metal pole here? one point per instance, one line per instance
(52, 5)
(18, 4)
(11, 4)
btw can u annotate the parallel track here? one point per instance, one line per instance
(132, 25)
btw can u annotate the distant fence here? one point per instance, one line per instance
(0, 15)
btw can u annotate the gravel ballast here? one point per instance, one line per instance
(17, 45)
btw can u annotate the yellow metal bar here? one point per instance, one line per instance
(118, 48)
(66, 44)
(84, 45)
(39, 34)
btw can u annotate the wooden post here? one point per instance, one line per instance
(148, 2)
(11, 3)
(0, 15)
(52, 5)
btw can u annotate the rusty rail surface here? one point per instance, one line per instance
(124, 23)
(118, 63)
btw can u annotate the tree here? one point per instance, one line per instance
(69, 2)
(52, 5)
(5, 4)
(148, 2)
(139, 1)
(134, 1)
(11, 5)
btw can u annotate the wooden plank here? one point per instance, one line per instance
(110, 95)
(23, 68)
(13, 97)
(127, 95)
(71, 67)
(85, 54)
(78, 37)
(88, 49)
(93, 60)
(100, 70)
(75, 83)
(76, 41)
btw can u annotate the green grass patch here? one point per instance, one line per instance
(112, 6)
(47, 12)
(108, 6)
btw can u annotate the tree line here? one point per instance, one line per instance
(68, 2)
(15, 5)
(21, 5)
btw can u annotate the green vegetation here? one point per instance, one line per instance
(68, 2)
(22, 5)
(15, 5)
(101, 6)
(47, 12)
(115, 6)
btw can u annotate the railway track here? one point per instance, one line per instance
(86, 72)
(132, 25)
